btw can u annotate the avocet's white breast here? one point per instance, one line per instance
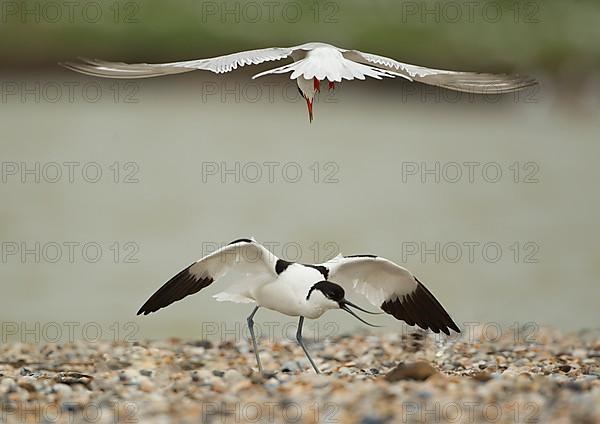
(287, 294)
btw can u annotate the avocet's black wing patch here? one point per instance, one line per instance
(244, 256)
(178, 287)
(282, 265)
(242, 240)
(392, 288)
(322, 269)
(421, 308)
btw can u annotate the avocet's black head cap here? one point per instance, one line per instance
(330, 290)
(336, 293)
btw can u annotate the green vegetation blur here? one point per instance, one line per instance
(560, 37)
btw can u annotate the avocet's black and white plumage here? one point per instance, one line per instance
(313, 63)
(305, 290)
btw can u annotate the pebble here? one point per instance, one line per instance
(290, 366)
(556, 380)
(73, 378)
(62, 389)
(232, 375)
(482, 376)
(146, 385)
(206, 344)
(414, 371)
(7, 385)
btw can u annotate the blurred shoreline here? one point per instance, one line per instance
(487, 35)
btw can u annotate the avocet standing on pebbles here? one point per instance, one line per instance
(305, 290)
(312, 64)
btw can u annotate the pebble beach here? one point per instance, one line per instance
(553, 377)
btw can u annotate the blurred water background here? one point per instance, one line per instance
(384, 168)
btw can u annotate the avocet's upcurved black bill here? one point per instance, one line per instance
(347, 302)
(344, 306)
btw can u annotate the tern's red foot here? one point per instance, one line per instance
(331, 85)
(317, 85)
(309, 104)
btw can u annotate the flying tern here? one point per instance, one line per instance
(312, 64)
(306, 290)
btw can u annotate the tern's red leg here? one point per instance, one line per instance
(309, 104)
(331, 85)
(317, 85)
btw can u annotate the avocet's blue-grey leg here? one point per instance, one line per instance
(250, 321)
(301, 343)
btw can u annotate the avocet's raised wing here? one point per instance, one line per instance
(243, 256)
(392, 288)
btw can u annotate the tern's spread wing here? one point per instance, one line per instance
(242, 256)
(218, 64)
(470, 82)
(392, 288)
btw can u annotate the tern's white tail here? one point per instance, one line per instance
(332, 70)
